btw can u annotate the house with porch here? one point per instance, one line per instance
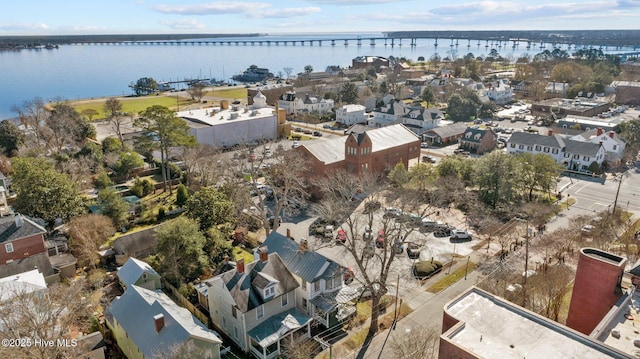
(478, 140)
(292, 104)
(498, 92)
(573, 155)
(320, 278)
(148, 324)
(256, 305)
(420, 120)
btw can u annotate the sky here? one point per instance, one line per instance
(68, 17)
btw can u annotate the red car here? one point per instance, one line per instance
(380, 240)
(341, 236)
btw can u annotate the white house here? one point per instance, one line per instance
(320, 279)
(573, 155)
(389, 114)
(310, 104)
(351, 114)
(421, 120)
(499, 92)
(613, 144)
(256, 305)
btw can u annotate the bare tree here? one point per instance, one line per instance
(87, 233)
(548, 289)
(47, 315)
(342, 194)
(418, 343)
(196, 91)
(113, 111)
(33, 114)
(287, 70)
(301, 350)
(203, 165)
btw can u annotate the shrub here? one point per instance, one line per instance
(424, 269)
(161, 213)
(103, 181)
(182, 195)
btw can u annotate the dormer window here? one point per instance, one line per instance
(269, 291)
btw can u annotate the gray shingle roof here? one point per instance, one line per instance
(307, 265)
(133, 269)
(582, 148)
(10, 232)
(244, 293)
(40, 260)
(453, 129)
(526, 138)
(134, 312)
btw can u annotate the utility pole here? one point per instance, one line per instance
(526, 266)
(615, 202)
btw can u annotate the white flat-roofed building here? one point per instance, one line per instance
(233, 126)
(478, 324)
(351, 114)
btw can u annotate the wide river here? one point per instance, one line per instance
(85, 71)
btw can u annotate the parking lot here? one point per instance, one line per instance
(439, 248)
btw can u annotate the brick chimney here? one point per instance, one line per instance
(159, 322)
(240, 265)
(550, 133)
(264, 253)
(303, 245)
(288, 233)
(599, 131)
(17, 218)
(611, 134)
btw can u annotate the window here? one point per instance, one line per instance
(513, 145)
(304, 285)
(235, 331)
(316, 286)
(8, 247)
(284, 300)
(538, 147)
(576, 157)
(615, 147)
(586, 158)
(521, 147)
(546, 149)
(554, 151)
(304, 303)
(529, 148)
(234, 312)
(260, 311)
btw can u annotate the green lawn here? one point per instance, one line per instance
(230, 93)
(445, 282)
(132, 104)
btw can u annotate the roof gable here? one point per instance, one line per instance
(16, 227)
(307, 265)
(247, 294)
(133, 269)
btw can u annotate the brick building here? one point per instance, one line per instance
(596, 289)
(374, 150)
(364, 62)
(20, 238)
(581, 106)
(627, 92)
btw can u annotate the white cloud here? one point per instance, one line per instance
(250, 10)
(354, 2)
(183, 24)
(22, 27)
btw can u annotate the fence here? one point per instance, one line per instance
(186, 303)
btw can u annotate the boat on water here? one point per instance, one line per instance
(253, 74)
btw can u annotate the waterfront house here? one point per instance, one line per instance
(351, 114)
(292, 104)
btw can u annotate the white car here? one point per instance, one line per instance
(457, 234)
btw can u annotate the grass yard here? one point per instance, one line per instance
(241, 253)
(449, 279)
(132, 104)
(230, 93)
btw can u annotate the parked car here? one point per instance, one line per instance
(368, 234)
(317, 133)
(427, 158)
(298, 129)
(424, 145)
(587, 228)
(307, 131)
(458, 234)
(341, 237)
(295, 144)
(392, 212)
(380, 239)
(413, 250)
